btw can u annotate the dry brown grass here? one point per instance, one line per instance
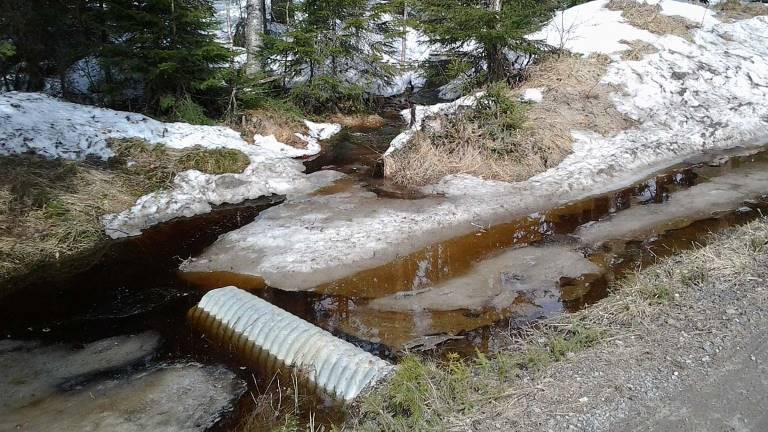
(52, 209)
(271, 121)
(363, 121)
(637, 50)
(573, 99)
(733, 10)
(648, 17)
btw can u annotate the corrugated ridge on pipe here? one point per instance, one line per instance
(274, 338)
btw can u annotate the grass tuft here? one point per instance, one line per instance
(153, 167)
(637, 50)
(52, 209)
(736, 10)
(502, 139)
(281, 119)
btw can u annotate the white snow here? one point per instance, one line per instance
(417, 49)
(425, 111)
(535, 95)
(590, 28)
(322, 131)
(697, 14)
(36, 123)
(687, 98)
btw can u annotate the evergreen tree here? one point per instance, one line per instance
(331, 48)
(163, 49)
(496, 27)
(47, 37)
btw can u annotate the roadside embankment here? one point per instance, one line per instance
(693, 324)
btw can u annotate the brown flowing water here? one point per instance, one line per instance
(134, 286)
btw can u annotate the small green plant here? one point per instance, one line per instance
(409, 389)
(536, 359)
(457, 383)
(290, 424)
(55, 209)
(184, 109)
(696, 275)
(502, 113)
(507, 365)
(577, 339)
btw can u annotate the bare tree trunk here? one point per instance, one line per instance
(254, 34)
(405, 35)
(229, 23)
(494, 54)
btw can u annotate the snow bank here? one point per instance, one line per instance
(687, 98)
(36, 123)
(425, 111)
(534, 95)
(591, 28)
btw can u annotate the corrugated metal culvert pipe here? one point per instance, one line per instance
(273, 339)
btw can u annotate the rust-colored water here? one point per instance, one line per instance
(342, 305)
(135, 287)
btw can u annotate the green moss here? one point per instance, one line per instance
(214, 161)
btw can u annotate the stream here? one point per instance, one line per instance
(452, 296)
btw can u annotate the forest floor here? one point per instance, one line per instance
(678, 346)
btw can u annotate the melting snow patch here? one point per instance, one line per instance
(532, 95)
(36, 123)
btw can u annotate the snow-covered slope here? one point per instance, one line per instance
(36, 123)
(687, 98)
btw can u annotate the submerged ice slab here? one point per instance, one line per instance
(724, 193)
(178, 398)
(32, 371)
(94, 388)
(495, 282)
